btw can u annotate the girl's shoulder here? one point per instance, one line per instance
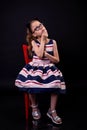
(51, 41)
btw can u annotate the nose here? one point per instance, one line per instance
(43, 28)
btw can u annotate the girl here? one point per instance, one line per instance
(41, 75)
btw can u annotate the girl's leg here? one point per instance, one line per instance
(33, 100)
(35, 111)
(52, 110)
(53, 103)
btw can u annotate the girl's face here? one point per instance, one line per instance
(38, 29)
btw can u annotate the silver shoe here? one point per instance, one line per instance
(56, 119)
(36, 113)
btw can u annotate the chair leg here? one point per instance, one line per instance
(26, 99)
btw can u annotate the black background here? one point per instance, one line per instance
(65, 21)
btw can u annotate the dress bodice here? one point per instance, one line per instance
(48, 48)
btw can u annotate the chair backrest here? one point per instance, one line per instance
(26, 53)
(26, 95)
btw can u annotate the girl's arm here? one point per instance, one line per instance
(55, 57)
(38, 50)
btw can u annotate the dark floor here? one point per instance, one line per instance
(71, 107)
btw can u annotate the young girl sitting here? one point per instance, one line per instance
(41, 75)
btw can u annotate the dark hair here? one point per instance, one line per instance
(28, 25)
(29, 36)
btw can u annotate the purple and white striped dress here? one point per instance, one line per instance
(41, 75)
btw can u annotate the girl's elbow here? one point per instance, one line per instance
(57, 60)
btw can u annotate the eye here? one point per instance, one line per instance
(38, 27)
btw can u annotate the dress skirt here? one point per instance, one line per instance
(40, 77)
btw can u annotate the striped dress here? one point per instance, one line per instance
(41, 75)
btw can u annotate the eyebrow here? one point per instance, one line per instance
(37, 26)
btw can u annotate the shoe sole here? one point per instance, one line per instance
(35, 118)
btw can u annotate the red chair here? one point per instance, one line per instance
(26, 95)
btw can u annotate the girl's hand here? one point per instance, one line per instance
(44, 35)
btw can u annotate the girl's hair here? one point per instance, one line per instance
(29, 36)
